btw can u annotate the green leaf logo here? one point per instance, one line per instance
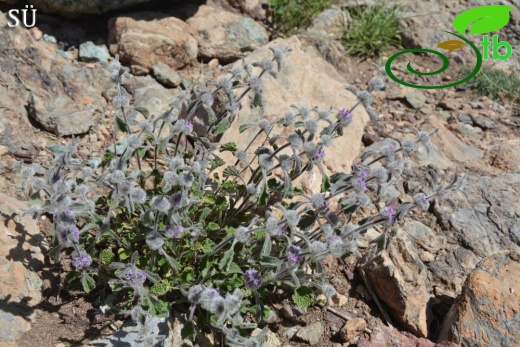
(482, 19)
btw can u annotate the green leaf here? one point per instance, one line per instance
(303, 297)
(231, 171)
(226, 258)
(205, 213)
(221, 128)
(157, 308)
(106, 256)
(262, 150)
(88, 283)
(270, 261)
(228, 185)
(217, 162)
(264, 197)
(208, 199)
(325, 183)
(233, 268)
(266, 248)
(206, 265)
(483, 19)
(35, 200)
(212, 226)
(160, 288)
(307, 220)
(208, 246)
(337, 176)
(188, 331)
(230, 146)
(142, 110)
(107, 158)
(237, 84)
(121, 125)
(123, 253)
(244, 127)
(72, 275)
(188, 275)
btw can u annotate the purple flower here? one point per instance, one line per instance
(212, 293)
(67, 236)
(134, 276)
(253, 279)
(173, 231)
(75, 233)
(362, 183)
(293, 253)
(389, 213)
(320, 202)
(332, 238)
(344, 117)
(188, 127)
(320, 154)
(81, 260)
(176, 198)
(422, 200)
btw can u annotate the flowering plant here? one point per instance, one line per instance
(153, 227)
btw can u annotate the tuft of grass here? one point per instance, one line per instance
(289, 16)
(496, 84)
(372, 30)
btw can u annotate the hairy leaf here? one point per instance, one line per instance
(303, 297)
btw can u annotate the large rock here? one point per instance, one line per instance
(305, 80)
(149, 94)
(400, 279)
(504, 156)
(75, 8)
(448, 150)
(225, 35)
(487, 311)
(487, 222)
(383, 336)
(256, 9)
(21, 245)
(145, 38)
(62, 97)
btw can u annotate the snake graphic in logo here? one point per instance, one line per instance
(480, 20)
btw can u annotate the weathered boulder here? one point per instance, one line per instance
(504, 156)
(62, 97)
(224, 35)
(304, 80)
(400, 279)
(383, 336)
(487, 311)
(448, 149)
(21, 246)
(145, 38)
(329, 23)
(256, 9)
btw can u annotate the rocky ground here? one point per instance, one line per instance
(447, 275)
